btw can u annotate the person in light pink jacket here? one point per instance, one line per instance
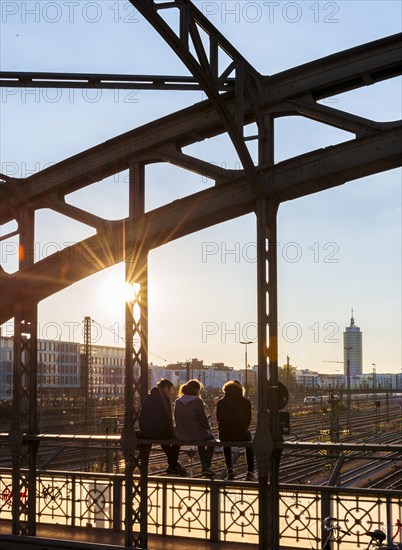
(192, 423)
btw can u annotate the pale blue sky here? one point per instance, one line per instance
(338, 249)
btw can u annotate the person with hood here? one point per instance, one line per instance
(233, 413)
(156, 422)
(192, 423)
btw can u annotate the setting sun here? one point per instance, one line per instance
(115, 291)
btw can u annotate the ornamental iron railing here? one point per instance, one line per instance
(207, 509)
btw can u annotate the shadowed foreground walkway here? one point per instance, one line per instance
(93, 539)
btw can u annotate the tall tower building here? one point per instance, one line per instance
(352, 349)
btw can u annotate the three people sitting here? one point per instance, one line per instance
(192, 424)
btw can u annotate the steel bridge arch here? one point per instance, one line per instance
(232, 102)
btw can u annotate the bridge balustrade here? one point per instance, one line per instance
(205, 509)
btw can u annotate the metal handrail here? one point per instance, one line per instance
(285, 445)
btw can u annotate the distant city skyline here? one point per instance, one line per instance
(338, 367)
(336, 249)
(62, 373)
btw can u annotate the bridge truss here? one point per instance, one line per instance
(237, 95)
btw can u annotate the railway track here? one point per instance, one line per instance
(390, 481)
(299, 467)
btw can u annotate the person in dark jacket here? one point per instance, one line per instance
(233, 413)
(192, 423)
(156, 422)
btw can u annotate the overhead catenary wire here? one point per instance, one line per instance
(121, 338)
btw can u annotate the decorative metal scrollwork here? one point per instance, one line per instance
(240, 514)
(52, 496)
(189, 509)
(96, 500)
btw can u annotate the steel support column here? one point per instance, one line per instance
(136, 382)
(262, 442)
(268, 429)
(273, 393)
(25, 386)
(86, 373)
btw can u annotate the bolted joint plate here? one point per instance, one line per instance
(15, 441)
(128, 444)
(263, 444)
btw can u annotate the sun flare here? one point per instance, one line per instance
(115, 291)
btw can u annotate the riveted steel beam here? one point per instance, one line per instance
(17, 79)
(334, 74)
(290, 179)
(319, 79)
(204, 66)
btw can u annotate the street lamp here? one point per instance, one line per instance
(374, 380)
(245, 363)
